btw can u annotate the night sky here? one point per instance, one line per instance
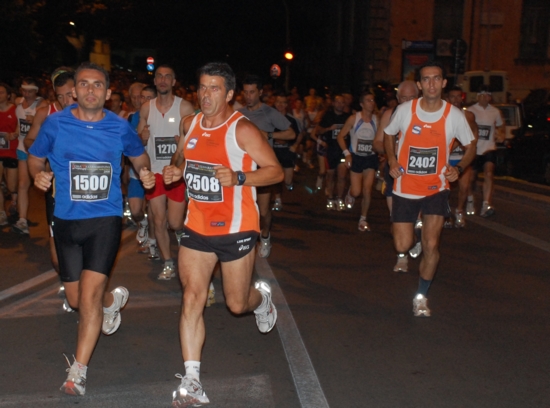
(249, 34)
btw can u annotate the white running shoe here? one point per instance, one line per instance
(111, 320)
(448, 223)
(167, 272)
(265, 247)
(211, 299)
(143, 231)
(3, 218)
(179, 234)
(21, 227)
(331, 204)
(486, 210)
(363, 225)
(420, 306)
(144, 247)
(402, 264)
(153, 253)
(66, 307)
(75, 384)
(460, 222)
(267, 316)
(470, 209)
(189, 393)
(277, 205)
(416, 250)
(340, 204)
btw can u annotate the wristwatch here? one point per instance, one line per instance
(460, 169)
(241, 178)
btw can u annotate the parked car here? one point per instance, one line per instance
(511, 114)
(496, 80)
(536, 102)
(529, 151)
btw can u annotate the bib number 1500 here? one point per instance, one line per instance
(91, 183)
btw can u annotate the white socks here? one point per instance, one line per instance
(193, 369)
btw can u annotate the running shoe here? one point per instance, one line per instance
(143, 247)
(211, 299)
(3, 218)
(416, 250)
(363, 225)
(289, 187)
(143, 231)
(340, 204)
(21, 227)
(460, 222)
(111, 319)
(470, 210)
(418, 224)
(402, 264)
(189, 393)
(319, 183)
(420, 306)
(486, 210)
(277, 205)
(153, 253)
(66, 307)
(265, 247)
(266, 313)
(167, 273)
(75, 384)
(127, 213)
(349, 201)
(179, 234)
(331, 204)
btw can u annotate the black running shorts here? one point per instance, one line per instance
(362, 163)
(285, 157)
(227, 248)
(89, 244)
(481, 159)
(407, 209)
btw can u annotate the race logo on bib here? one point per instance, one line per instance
(202, 185)
(192, 143)
(90, 181)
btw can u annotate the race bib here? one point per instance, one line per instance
(24, 127)
(202, 185)
(4, 142)
(90, 181)
(483, 132)
(422, 161)
(165, 147)
(364, 147)
(336, 131)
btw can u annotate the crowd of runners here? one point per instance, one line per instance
(210, 163)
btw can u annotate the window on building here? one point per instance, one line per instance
(535, 30)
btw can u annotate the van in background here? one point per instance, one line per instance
(496, 80)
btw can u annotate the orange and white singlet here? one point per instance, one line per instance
(423, 149)
(213, 209)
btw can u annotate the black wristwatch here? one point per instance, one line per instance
(460, 169)
(241, 178)
(269, 135)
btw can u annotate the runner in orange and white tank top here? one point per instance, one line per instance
(213, 209)
(225, 157)
(422, 171)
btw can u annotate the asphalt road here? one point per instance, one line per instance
(346, 336)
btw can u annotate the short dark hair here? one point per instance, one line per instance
(166, 66)
(221, 69)
(95, 67)
(6, 87)
(150, 88)
(253, 80)
(120, 95)
(456, 88)
(430, 64)
(30, 81)
(366, 93)
(62, 78)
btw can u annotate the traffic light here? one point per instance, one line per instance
(459, 48)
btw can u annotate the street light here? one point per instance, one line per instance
(289, 55)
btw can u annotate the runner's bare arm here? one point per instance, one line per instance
(395, 167)
(250, 139)
(177, 157)
(142, 164)
(39, 118)
(345, 130)
(37, 170)
(143, 127)
(378, 143)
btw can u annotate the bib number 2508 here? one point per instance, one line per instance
(202, 185)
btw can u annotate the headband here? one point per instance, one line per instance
(29, 87)
(56, 74)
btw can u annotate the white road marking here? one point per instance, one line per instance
(307, 384)
(21, 287)
(512, 233)
(230, 392)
